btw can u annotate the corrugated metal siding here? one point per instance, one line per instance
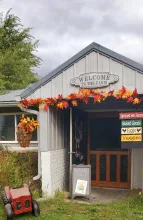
(117, 69)
(51, 130)
(67, 76)
(128, 77)
(44, 121)
(136, 167)
(91, 62)
(36, 94)
(139, 82)
(46, 91)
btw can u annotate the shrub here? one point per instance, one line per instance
(18, 168)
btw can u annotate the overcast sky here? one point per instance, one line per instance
(64, 27)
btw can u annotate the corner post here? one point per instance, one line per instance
(70, 171)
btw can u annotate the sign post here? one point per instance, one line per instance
(81, 181)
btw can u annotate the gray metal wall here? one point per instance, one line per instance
(54, 130)
(136, 168)
(54, 147)
(94, 61)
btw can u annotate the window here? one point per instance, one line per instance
(105, 134)
(8, 127)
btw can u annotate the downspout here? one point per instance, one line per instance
(38, 133)
(70, 173)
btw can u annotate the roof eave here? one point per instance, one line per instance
(8, 104)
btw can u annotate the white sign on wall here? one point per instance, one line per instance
(81, 187)
(94, 80)
(132, 130)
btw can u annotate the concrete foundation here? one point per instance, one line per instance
(55, 171)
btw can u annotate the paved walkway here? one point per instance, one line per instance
(104, 195)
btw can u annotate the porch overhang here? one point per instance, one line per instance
(109, 105)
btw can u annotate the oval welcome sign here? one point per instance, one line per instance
(94, 80)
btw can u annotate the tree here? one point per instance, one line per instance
(17, 61)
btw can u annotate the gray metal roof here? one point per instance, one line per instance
(92, 47)
(10, 96)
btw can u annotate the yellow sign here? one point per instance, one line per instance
(131, 138)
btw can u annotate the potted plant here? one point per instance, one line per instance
(24, 130)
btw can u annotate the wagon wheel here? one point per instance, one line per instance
(4, 198)
(8, 212)
(35, 208)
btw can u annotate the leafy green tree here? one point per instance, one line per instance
(17, 58)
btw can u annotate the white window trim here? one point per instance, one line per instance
(15, 142)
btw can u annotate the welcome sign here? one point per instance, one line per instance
(94, 80)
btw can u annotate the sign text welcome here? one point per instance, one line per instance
(94, 80)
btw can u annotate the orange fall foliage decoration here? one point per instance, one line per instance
(84, 95)
(27, 125)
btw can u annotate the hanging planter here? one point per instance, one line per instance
(24, 130)
(24, 138)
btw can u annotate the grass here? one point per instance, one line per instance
(130, 208)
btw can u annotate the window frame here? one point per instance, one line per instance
(15, 120)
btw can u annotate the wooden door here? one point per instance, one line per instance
(110, 168)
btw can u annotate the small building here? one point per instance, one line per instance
(89, 133)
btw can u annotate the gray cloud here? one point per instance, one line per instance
(67, 26)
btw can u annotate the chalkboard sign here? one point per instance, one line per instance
(81, 181)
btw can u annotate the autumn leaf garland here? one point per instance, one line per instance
(84, 95)
(27, 124)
